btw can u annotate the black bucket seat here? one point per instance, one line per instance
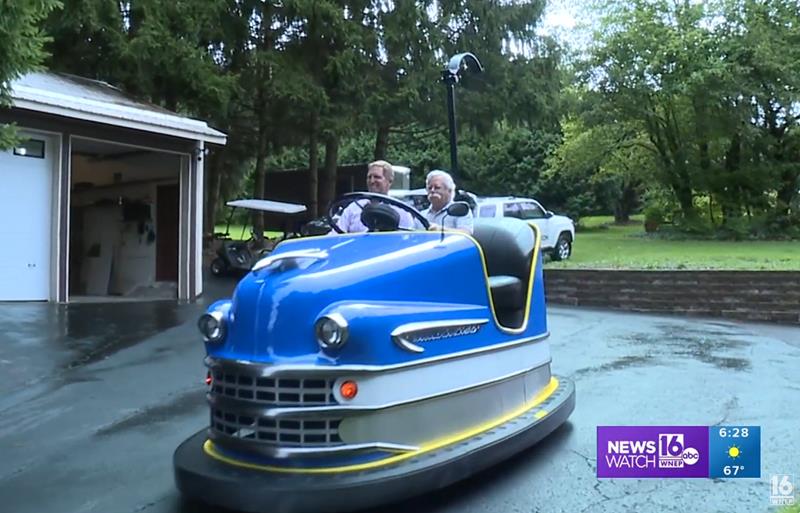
(507, 245)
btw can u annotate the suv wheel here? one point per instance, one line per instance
(563, 248)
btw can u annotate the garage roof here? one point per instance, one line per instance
(92, 100)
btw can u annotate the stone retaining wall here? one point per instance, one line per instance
(772, 296)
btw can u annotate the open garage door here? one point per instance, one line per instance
(26, 182)
(123, 234)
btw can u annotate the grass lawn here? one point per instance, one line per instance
(239, 232)
(602, 245)
(791, 509)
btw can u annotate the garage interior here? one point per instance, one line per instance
(124, 221)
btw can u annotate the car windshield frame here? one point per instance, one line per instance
(527, 206)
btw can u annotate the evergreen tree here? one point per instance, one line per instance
(21, 49)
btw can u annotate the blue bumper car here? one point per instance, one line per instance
(348, 371)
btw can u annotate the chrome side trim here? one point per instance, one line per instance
(289, 452)
(319, 412)
(304, 253)
(406, 335)
(271, 370)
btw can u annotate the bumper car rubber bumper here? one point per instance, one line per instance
(203, 478)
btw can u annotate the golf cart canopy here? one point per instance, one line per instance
(268, 206)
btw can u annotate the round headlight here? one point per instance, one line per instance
(212, 326)
(331, 331)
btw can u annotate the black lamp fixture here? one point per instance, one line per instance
(459, 64)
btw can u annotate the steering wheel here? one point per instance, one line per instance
(350, 197)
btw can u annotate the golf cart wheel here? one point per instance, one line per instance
(563, 248)
(218, 267)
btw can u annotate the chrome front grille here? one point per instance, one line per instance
(237, 394)
(275, 391)
(283, 432)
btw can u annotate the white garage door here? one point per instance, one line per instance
(25, 219)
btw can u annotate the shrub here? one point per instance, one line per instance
(654, 216)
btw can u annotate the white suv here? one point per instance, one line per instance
(558, 232)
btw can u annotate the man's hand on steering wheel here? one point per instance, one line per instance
(350, 197)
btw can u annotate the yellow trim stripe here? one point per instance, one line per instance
(433, 445)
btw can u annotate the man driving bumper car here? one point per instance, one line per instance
(380, 176)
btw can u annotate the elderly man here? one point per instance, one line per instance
(380, 176)
(441, 190)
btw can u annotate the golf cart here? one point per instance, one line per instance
(238, 256)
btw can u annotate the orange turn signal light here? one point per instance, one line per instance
(348, 389)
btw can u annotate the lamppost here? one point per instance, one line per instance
(450, 76)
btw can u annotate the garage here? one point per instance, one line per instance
(102, 198)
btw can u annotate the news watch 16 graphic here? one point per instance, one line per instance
(679, 451)
(652, 451)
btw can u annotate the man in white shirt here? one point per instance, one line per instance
(441, 190)
(380, 176)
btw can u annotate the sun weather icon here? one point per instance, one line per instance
(734, 451)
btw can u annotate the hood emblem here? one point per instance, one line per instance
(408, 336)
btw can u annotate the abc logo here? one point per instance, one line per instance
(690, 456)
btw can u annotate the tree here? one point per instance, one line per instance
(614, 159)
(21, 48)
(162, 52)
(714, 89)
(403, 77)
(510, 107)
(643, 68)
(764, 39)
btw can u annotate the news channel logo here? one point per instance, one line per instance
(678, 451)
(652, 451)
(782, 490)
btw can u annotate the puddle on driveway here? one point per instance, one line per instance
(708, 346)
(181, 404)
(41, 344)
(713, 346)
(93, 332)
(618, 364)
(74, 335)
(46, 345)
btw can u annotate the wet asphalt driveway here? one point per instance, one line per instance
(95, 398)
